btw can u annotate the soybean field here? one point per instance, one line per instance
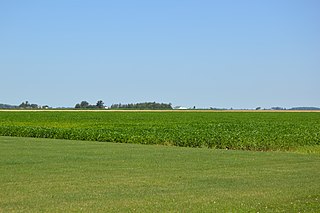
(262, 131)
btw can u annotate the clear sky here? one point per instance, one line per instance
(202, 53)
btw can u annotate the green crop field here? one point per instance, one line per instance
(84, 173)
(233, 130)
(45, 175)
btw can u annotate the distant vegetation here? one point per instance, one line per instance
(305, 108)
(86, 105)
(7, 106)
(27, 105)
(142, 106)
(138, 106)
(23, 105)
(278, 108)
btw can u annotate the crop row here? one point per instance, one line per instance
(247, 131)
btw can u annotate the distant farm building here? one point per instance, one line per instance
(180, 108)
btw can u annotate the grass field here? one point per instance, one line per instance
(235, 130)
(39, 175)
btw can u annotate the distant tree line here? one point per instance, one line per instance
(27, 105)
(7, 106)
(278, 108)
(305, 108)
(86, 105)
(143, 106)
(138, 106)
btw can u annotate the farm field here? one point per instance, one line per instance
(233, 130)
(40, 175)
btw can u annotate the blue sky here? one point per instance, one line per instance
(239, 54)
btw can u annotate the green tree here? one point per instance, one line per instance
(25, 104)
(100, 104)
(84, 104)
(34, 106)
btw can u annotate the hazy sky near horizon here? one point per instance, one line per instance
(202, 53)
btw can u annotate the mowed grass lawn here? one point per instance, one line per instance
(59, 175)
